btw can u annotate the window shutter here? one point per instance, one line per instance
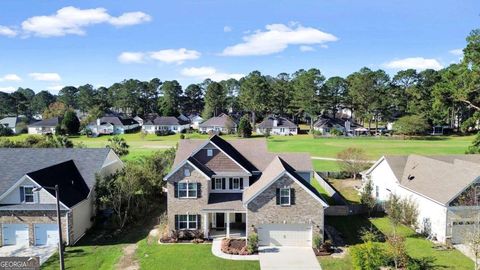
(22, 194)
(241, 183)
(278, 196)
(199, 190)
(223, 183)
(230, 183)
(176, 222)
(292, 196)
(199, 222)
(175, 190)
(213, 183)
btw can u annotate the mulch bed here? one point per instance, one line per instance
(234, 246)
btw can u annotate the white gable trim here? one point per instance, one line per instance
(180, 166)
(284, 172)
(369, 171)
(209, 141)
(12, 188)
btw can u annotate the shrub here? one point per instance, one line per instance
(410, 212)
(397, 250)
(163, 132)
(252, 243)
(336, 132)
(5, 131)
(368, 256)
(317, 241)
(182, 136)
(369, 235)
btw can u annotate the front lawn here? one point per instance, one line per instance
(186, 256)
(87, 257)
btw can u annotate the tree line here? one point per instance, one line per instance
(450, 96)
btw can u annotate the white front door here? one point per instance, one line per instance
(15, 234)
(46, 234)
(299, 235)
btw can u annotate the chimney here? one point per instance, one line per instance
(275, 122)
(98, 121)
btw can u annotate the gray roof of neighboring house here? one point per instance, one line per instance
(253, 150)
(440, 178)
(222, 120)
(328, 122)
(10, 122)
(282, 122)
(225, 201)
(166, 121)
(116, 120)
(30, 207)
(51, 122)
(17, 162)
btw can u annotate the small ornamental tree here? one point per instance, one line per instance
(244, 127)
(70, 122)
(352, 160)
(366, 197)
(118, 145)
(410, 125)
(397, 250)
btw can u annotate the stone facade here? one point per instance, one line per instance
(264, 210)
(37, 217)
(182, 206)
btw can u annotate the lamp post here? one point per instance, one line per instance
(60, 242)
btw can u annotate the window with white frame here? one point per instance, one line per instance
(186, 172)
(285, 196)
(209, 152)
(187, 222)
(236, 183)
(28, 194)
(218, 183)
(187, 190)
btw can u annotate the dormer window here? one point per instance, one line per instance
(28, 196)
(209, 152)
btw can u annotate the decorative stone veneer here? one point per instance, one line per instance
(36, 217)
(182, 206)
(264, 210)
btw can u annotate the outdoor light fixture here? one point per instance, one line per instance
(60, 243)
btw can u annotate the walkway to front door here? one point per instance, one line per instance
(283, 258)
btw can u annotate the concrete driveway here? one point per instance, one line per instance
(283, 258)
(44, 252)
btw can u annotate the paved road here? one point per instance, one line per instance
(287, 258)
(44, 252)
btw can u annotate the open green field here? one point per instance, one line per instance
(320, 147)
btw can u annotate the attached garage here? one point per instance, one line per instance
(46, 234)
(15, 234)
(460, 230)
(299, 235)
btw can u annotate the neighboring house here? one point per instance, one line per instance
(229, 189)
(222, 123)
(112, 125)
(165, 124)
(46, 126)
(326, 124)
(446, 190)
(11, 123)
(139, 120)
(277, 126)
(195, 121)
(28, 210)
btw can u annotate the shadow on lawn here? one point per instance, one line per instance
(351, 227)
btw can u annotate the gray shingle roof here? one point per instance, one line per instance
(166, 121)
(31, 207)
(51, 122)
(116, 120)
(16, 162)
(225, 201)
(282, 122)
(222, 120)
(10, 122)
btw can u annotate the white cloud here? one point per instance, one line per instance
(277, 38)
(418, 63)
(175, 55)
(7, 89)
(131, 57)
(72, 20)
(7, 31)
(48, 77)
(305, 48)
(10, 77)
(324, 46)
(456, 52)
(227, 28)
(209, 72)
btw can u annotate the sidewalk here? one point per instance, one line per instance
(217, 251)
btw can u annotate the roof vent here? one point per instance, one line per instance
(410, 177)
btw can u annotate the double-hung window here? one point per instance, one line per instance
(218, 183)
(187, 190)
(236, 183)
(28, 194)
(285, 196)
(189, 222)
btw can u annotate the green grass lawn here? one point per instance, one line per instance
(186, 257)
(417, 246)
(322, 192)
(87, 257)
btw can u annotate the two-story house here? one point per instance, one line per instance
(233, 188)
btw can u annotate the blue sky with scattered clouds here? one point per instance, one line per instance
(50, 44)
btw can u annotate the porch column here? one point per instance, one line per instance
(205, 225)
(228, 224)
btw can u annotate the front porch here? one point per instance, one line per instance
(224, 224)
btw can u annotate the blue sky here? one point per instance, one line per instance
(50, 44)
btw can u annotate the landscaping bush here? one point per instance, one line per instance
(164, 132)
(252, 244)
(317, 241)
(336, 132)
(368, 256)
(182, 136)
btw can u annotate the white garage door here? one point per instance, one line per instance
(46, 234)
(15, 234)
(461, 230)
(285, 235)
